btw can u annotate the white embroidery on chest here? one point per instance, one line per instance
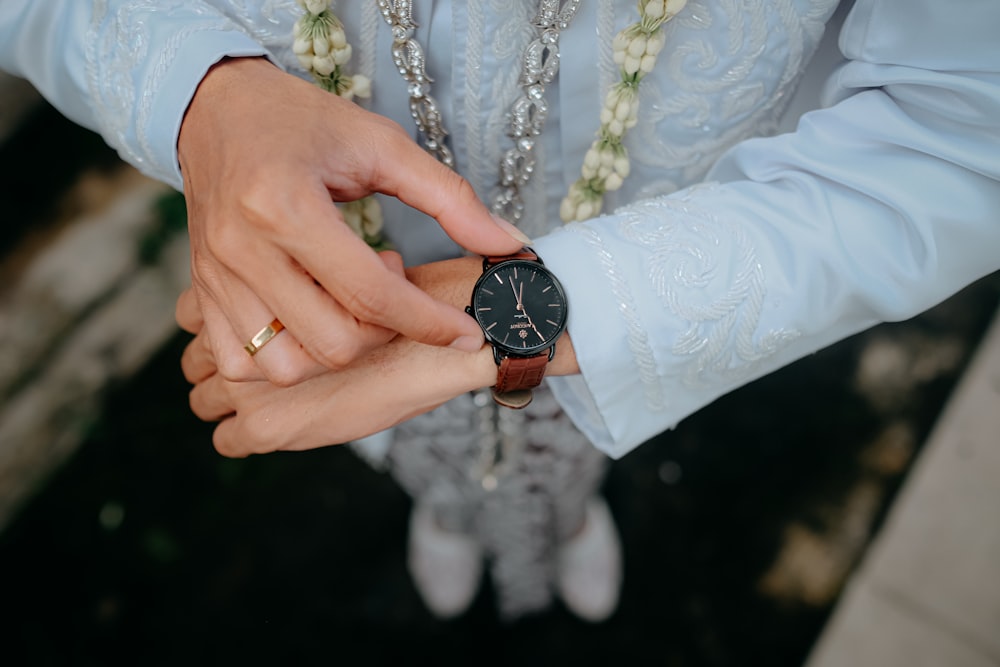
(498, 30)
(718, 84)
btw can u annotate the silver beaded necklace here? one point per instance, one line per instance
(539, 66)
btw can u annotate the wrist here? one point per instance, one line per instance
(451, 281)
(216, 94)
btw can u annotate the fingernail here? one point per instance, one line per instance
(511, 229)
(468, 343)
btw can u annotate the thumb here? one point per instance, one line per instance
(422, 182)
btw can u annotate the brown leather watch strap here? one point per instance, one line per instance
(526, 253)
(516, 377)
(521, 372)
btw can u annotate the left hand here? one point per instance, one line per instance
(389, 385)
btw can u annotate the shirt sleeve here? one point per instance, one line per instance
(124, 68)
(878, 206)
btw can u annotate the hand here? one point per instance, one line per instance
(262, 153)
(390, 384)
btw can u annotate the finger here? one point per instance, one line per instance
(187, 313)
(234, 322)
(329, 334)
(226, 347)
(210, 399)
(227, 442)
(365, 287)
(265, 419)
(417, 179)
(197, 362)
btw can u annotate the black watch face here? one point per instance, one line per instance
(520, 306)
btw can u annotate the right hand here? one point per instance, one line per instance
(264, 155)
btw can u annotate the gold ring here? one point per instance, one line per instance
(263, 336)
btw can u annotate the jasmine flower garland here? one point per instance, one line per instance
(322, 49)
(606, 164)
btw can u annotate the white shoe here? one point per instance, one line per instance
(446, 567)
(590, 566)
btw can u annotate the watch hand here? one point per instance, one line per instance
(532, 324)
(517, 297)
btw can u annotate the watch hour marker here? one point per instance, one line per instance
(499, 279)
(546, 289)
(484, 308)
(487, 291)
(552, 323)
(491, 326)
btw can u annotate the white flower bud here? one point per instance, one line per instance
(566, 210)
(302, 46)
(653, 9)
(607, 157)
(620, 42)
(631, 65)
(320, 46)
(637, 46)
(586, 210)
(622, 166)
(616, 128)
(370, 206)
(655, 43)
(592, 159)
(371, 226)
(623, 110)
(613, 182)
(317, 6)
(305, 60)
(674, 6)
(342, 56)
(606, 116)
(324, 65)
(337, 37)
(361, 85)
(647, 64)
(372, 209)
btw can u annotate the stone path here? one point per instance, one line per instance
(928, 590)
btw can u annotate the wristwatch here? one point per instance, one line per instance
(522, 309)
